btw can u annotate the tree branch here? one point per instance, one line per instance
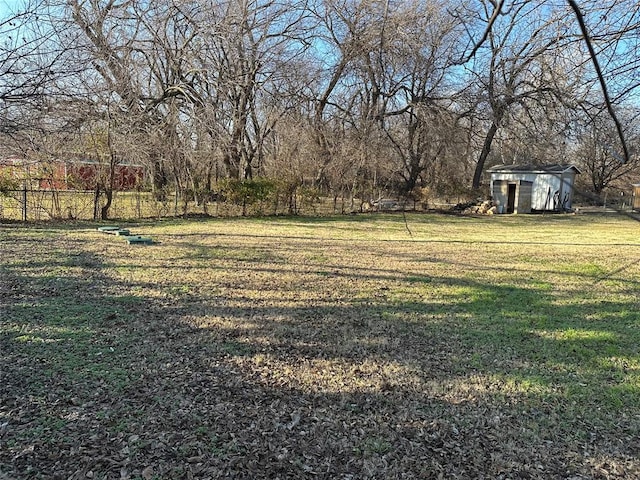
(603, 83)
(494, 16)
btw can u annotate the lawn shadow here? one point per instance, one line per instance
(98, 381)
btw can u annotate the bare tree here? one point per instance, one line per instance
(243, 59)
(596, 155)
(31, 60)
(513, 65)
(548, 27)
(370, 94)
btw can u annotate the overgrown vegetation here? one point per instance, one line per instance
(498, 347)
(7, 183)
(352, 99)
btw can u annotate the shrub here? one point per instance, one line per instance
(247, 192)
(7, 183)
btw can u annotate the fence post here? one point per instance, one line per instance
(24, 203)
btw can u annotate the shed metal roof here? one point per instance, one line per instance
(555, 168)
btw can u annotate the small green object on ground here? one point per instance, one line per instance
(126, 234)
(109, 229)
(137, 239)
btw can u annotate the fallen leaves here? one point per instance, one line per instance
(294, 359)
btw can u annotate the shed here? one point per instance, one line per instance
(636, 197)
(527, 188)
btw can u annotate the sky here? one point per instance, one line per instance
(9, 6)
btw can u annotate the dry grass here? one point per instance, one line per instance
(502, 347)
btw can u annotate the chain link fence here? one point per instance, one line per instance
(42, 205)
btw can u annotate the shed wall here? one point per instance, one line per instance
(522, 200)
(500, 193)
(523, 195)
(636, 197)
(548, 191)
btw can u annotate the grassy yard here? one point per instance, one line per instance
(335, 348)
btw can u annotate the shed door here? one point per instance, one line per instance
(636, 197)
(511, 198)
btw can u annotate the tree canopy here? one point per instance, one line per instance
(355, 98)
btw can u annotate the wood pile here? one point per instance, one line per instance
(486, 207)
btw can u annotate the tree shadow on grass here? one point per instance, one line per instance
(536, 373)
(97, 379)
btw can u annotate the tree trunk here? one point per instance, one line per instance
(159, 178)
(486, 149)
(96, 199)
(104, 211)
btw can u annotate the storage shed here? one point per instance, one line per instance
(527, 188)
